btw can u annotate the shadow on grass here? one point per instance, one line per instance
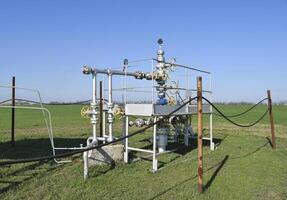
(21, 175)
(30, 148)
(220, 165)
(208, 184)
(176, 148)
(270, 142)
(252, 152)
(102, 170)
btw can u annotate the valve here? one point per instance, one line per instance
(139, 75)
(171, 101)
(131, 123)
(160, 76)
(85, 112)
(162, 101)
(119, 112)
(139, 122)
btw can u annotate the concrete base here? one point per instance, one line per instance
(106, 155)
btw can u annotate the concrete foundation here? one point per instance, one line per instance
(106, 155)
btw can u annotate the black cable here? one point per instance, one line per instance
(5, 101)
(38, 102)
(240, 125)
(246, 111)
(94, 147)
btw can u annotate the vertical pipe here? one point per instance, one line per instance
(104, 113)
(94, 98)
(199, 135)
(271, 119)
(125, 90)
(104, 124)
(93, 105)
(152, 81)
(13, 113)
(211, 117)
(101, 109)
(110, 105)
(126, 154)
(211, 130)
(154, 161)
(110, 88)
(86, 165)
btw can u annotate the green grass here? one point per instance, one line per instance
(242, 167)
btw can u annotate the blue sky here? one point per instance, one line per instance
(243, 43)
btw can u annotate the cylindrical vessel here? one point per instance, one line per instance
(162, 139)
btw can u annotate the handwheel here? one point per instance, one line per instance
(171, 101)
(119, 113)
(85, 112)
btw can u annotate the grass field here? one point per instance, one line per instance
(243, 166)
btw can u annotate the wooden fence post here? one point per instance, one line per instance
(271, 119)
(13, 113)
(199, 135)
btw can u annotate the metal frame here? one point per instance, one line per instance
(153, 152)
(47, 118)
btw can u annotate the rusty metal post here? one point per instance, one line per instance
(101, 109)
(13, 113)
(199, 135)
(271, 119)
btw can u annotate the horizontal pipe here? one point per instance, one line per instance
(69, 148)
(113, 72)
(184, 66)
(204, 138)
(141, 150)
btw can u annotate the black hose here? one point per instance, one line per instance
(5, 101)
(240, 125)
(246, 111)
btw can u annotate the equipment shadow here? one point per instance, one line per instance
(218, 167)
(30, 148)
(176, 148)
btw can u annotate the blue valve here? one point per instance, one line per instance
(162, 101)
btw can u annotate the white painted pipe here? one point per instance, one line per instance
(86, 165)
(110, 116)
(141, 150)
(93, 118)
(154, 160)
(126, 153)
(113, 72)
